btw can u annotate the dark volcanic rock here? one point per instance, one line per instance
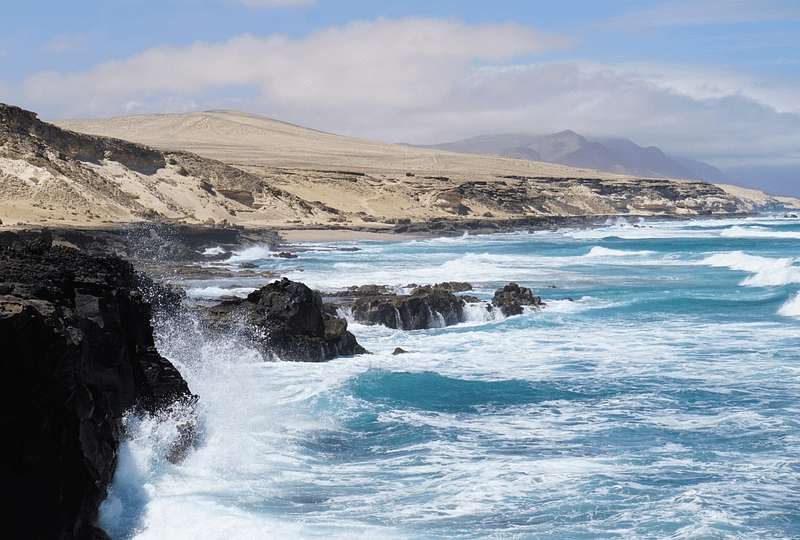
(159, 249)
(289, 320)
(77, 352)
(427, 306)
(512, 297)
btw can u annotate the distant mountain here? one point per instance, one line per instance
(774, 180)
(703, 170)
(620, 156)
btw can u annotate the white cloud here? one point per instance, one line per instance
(590, 99)
(382, 63)
(722, 123)
(432, 80)
(703, 82)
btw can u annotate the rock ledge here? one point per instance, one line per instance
(77, 353)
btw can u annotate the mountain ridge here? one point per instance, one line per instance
(610, 155)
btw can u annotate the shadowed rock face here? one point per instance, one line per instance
(512, 297)
(77, 352)
(428, 306)
(288, 320)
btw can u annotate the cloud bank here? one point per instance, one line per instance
(426, 80)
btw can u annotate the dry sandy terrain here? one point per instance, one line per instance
(222, 167)
(244, 139)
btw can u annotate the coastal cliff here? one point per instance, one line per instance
(77, 353)
(52, 176)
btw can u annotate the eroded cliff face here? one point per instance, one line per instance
(76, 352)
(35, 136)
(53, 176)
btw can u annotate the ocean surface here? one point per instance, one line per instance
(657, 395)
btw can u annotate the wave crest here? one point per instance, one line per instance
(766, 272)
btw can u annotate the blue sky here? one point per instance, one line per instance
(716, 80)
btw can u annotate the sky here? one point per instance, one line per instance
(714, 80)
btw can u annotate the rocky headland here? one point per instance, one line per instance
(77, 354)
(425, 306)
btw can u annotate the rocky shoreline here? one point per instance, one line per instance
(76, 325)
(77, 300)
(78, 353)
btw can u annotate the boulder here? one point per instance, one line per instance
(76, 353)
(511, 299)
(288, 320)
(427, 306)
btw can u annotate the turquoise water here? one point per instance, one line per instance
(655, 396)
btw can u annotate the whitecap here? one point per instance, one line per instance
(216, 292)
(600, 251)
(214, 251)
(738, 231)
(251, 253)
(766, 272)
(791, 308)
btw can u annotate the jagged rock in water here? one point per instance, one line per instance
(77, 352)
(289, 320)
(511, 298)
(427, 306)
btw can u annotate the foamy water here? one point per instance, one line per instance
(656, 396)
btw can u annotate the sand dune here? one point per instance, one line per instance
(245, 139)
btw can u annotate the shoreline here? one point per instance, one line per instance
(195, 236)
(176, 252)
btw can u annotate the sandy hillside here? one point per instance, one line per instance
(244, 139)
(223, 168)
(367, 181)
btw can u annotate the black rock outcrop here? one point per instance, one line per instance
(511, 299)
(288, 320)
(76, 352)
(427, 306)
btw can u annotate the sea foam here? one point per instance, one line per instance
(767, 272)
(660, 407)
(600, 251)
(216, 292)
(738, 231)
(251, 253)
(791, 308)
